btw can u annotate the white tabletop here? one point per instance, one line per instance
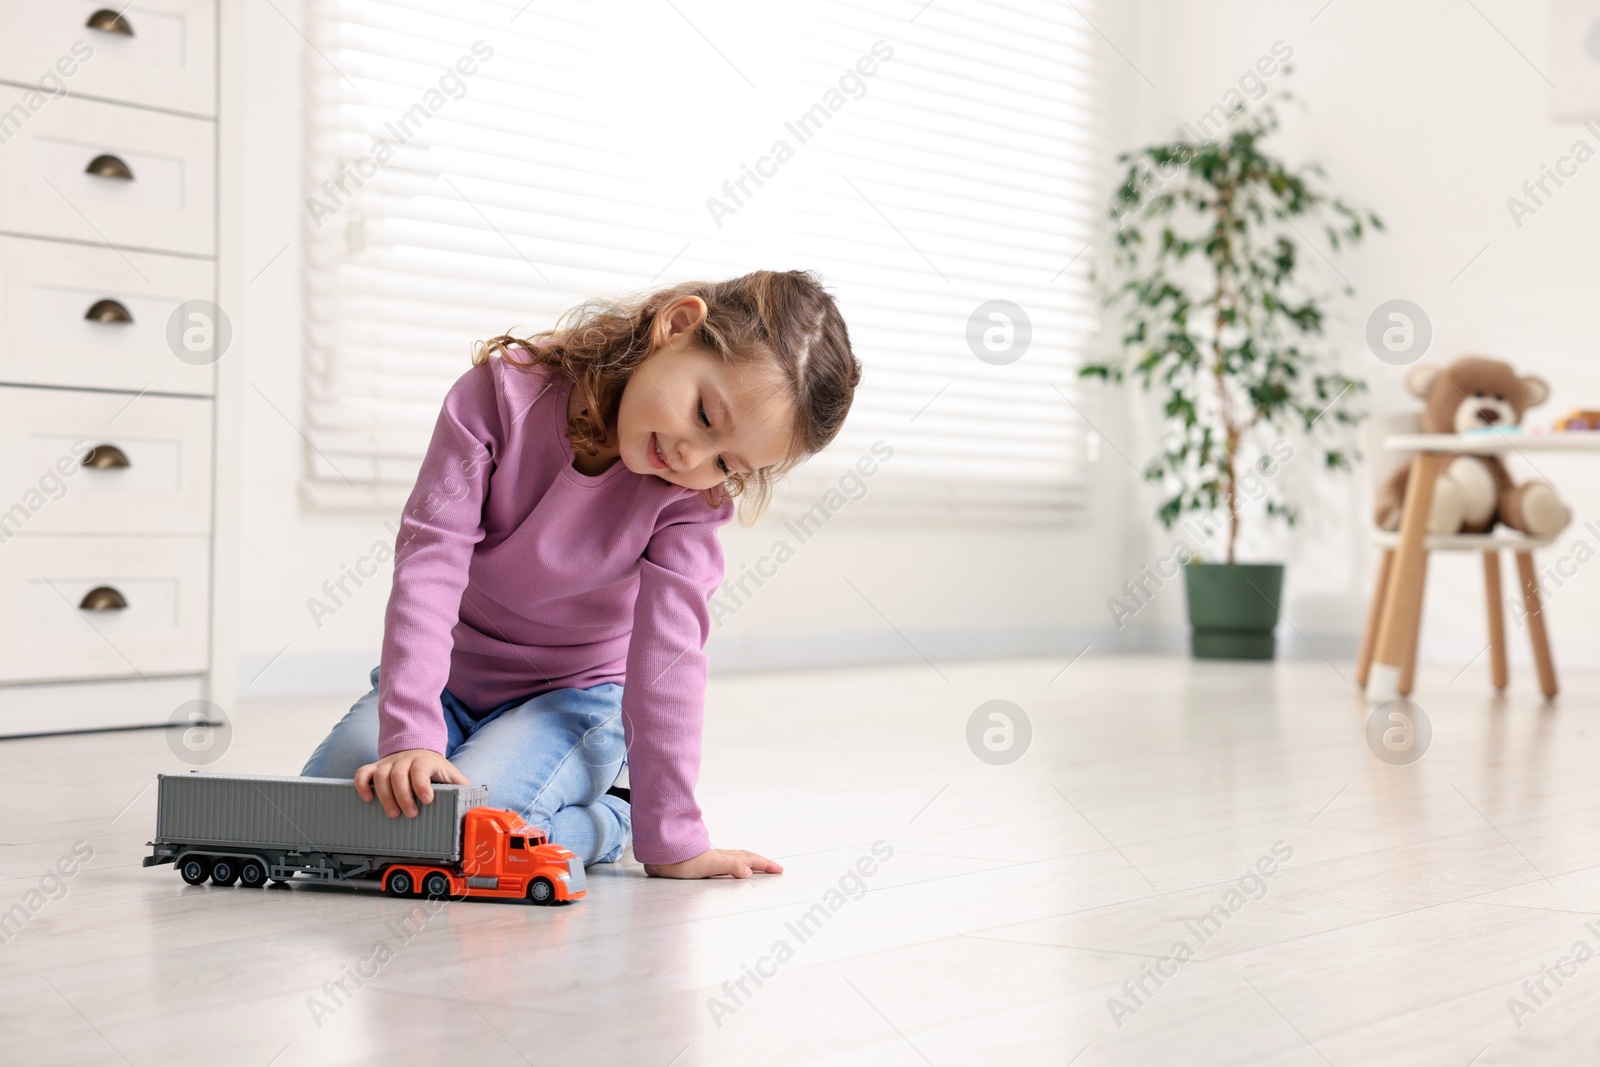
(1490, 443)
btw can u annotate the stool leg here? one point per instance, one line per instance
(1405, 583)
(1408, 668)
(1541, 641)
(1369, 636)
(1497, 620)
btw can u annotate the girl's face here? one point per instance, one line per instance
(691, 419)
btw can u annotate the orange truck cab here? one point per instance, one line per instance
(501, 856)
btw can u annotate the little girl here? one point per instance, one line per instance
(548, 616)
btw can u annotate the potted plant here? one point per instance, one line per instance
(1212, 238)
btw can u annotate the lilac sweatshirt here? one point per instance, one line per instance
(516, 574)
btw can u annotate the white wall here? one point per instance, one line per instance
(947, 590)
(287, 552)
(1422, 111)
(1426, 113)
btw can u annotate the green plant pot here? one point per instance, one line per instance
(1233, 609)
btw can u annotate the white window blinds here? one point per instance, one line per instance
(478, 166)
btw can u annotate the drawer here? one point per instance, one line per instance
(150, 470)
(47, 337)
(153, 180)
(102, 607)
(98, 705)
(168, 60)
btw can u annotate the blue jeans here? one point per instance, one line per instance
(550, 758)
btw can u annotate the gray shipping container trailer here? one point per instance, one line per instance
(306, 817)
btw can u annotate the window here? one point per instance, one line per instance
(480, 165)
(518, 843)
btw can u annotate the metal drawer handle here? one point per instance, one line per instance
(107, 21)
(109, 166)
(102, 598)
(106, 457)
(107, 311)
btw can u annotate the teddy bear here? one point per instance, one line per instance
(1475, 492)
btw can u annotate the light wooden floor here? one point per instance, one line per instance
(1017, 901)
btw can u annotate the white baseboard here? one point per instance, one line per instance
(792, 651)
(296, 674)
(1066, 642)
(309, 673)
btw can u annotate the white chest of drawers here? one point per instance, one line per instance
(108, 439)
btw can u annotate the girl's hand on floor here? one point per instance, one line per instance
(400, 779)
(734, 862)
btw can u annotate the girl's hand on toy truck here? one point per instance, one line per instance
(400, 779)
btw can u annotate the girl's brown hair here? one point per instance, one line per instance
(784, 316)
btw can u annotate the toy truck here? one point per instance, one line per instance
(249, 829)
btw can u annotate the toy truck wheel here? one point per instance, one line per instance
(224, 871)
(195, 869)
(399, 884)
(541, 891)
(253, 874)
(435, 885)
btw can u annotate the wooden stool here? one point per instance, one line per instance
(1412, 585)
(1398, 623)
